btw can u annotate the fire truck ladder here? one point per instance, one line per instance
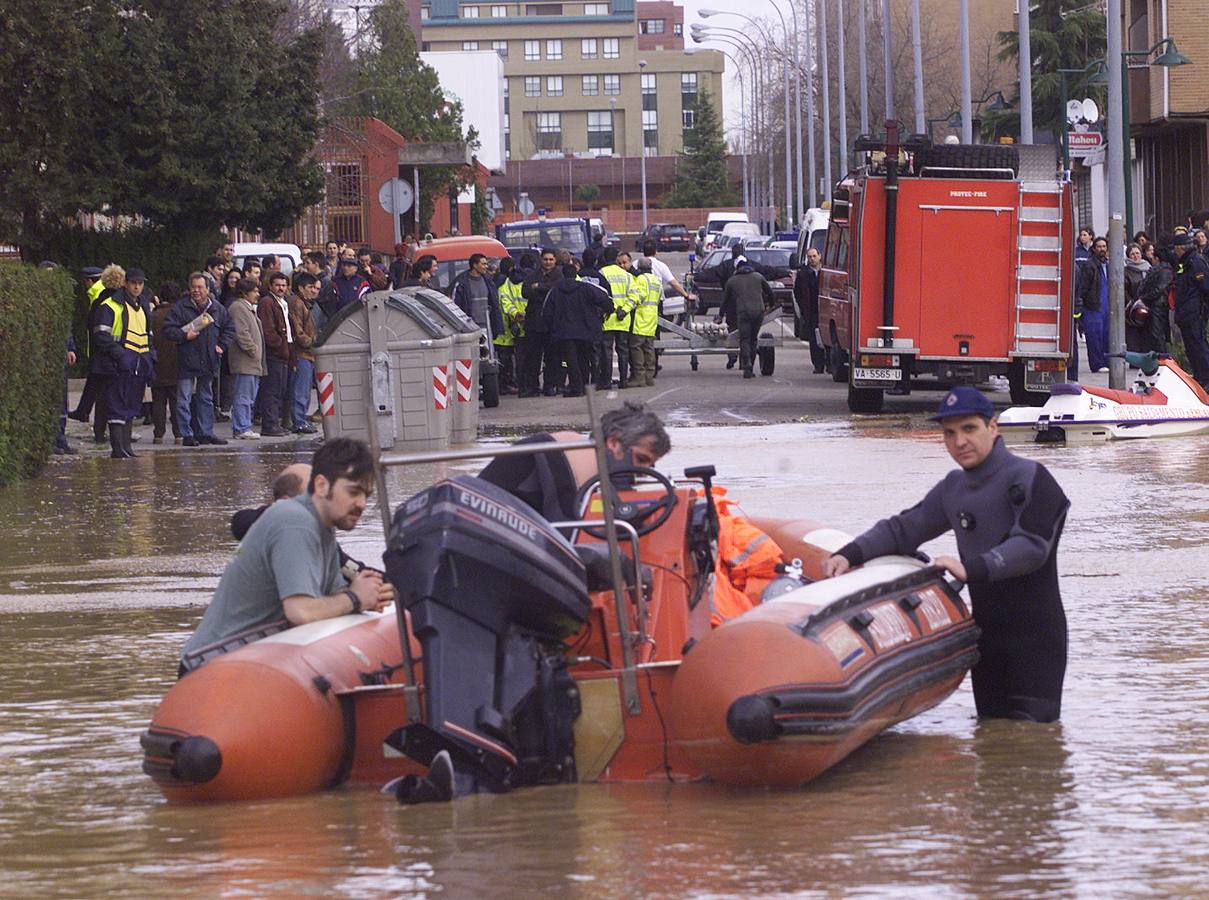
(1039, 269)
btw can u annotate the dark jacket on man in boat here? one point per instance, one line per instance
(1007, 514)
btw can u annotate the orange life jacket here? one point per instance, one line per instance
(747, 560)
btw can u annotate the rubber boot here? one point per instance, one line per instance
(126, 440)
(98, 432)
(116, 443)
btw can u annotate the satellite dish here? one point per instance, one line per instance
(1074, 111)
(1091, 112)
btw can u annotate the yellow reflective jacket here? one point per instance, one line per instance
(625, 297)
(649, 288)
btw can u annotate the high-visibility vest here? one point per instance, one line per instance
(649, 288)
(512, 305)
(129, 325)
(94, 290)
(746, 564)
(621, 288)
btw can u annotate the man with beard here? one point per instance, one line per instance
(286, 571)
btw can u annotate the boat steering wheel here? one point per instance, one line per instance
(644, 516)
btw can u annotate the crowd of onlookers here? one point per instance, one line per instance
(235, 342)
(1166, 291)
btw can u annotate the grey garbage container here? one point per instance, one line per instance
(391, 353)
(465, 361)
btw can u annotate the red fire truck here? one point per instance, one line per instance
(947, 263)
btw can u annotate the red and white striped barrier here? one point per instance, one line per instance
(327, 393)
(440, 387)
(465, 379)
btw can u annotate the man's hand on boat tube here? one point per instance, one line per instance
(835, 565)
(953, 564)
(372, 589)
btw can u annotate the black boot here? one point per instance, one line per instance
(117, 443)
(126, 430)
(98, 432)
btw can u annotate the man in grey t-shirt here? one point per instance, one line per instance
(287, 568)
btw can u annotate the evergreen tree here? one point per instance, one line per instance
(702, 178)
(1063, 34)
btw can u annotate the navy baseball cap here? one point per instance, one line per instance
(964, 401)
(92, 271)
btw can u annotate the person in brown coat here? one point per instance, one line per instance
(245, 358)
(302, 323)
(274, 312)
(163, 384)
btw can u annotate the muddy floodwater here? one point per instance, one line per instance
(1113, 801)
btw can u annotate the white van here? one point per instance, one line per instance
(289, 254)
(813, 233)
(714, 223)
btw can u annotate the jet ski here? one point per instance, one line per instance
(1164, 401)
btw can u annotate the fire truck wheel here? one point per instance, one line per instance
(839, 363)
(865, 400)
(1020, 396)
(768, 359)
(489, 389)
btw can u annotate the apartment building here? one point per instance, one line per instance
(1169, 113)
(608, 78)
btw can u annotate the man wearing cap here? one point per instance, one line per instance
(346, 287)
(1191, 302)
(121, 342)
(1007, 514)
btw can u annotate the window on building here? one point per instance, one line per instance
(689, 117)
(612, 84)
(554, 49)
(470, 12)
(650, 142)
(425, 12)
(507, 145)
(651, 26)
(678, 29)
(533, 51)
(600, 133)
(499, 12)
(587, 48)
(648, 92)
(554, 85)
(612, 48)
(596, 9)
(533, 86)
(425, 47)
(544, 9)
(650, 119)
(549, 131)
(591, 85)
(470, 45)
(688, 83)
(500, 47)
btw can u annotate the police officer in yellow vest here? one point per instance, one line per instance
(121, 343)
(616, 326)
(505, 341)
(645, 318)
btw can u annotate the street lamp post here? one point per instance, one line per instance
(750, 124)
(642, 131)
(1116, 206)
(841, 75)
(826, 94)
(785, 60)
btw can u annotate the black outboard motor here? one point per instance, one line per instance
(492, 590)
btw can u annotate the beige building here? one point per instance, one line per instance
(594, 78)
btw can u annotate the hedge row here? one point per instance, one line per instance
(163, 255)
(35, 316)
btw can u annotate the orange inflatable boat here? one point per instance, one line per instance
(535, 658)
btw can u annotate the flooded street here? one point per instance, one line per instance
(1114, 800)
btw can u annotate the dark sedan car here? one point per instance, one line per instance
(665, 236)
(772, 263)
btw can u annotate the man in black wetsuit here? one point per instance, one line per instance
(1007, 514)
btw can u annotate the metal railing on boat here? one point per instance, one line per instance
(631, 637)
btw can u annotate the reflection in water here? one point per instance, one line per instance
(96, 599)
